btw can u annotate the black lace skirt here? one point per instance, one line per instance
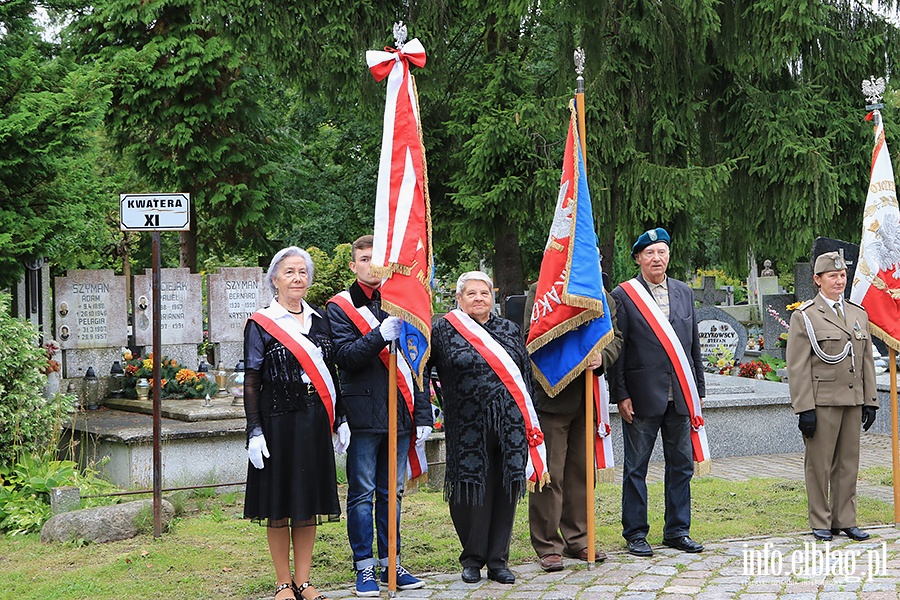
(297, 485)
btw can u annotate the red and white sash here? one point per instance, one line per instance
(660, 325)
(509, 373)
(365, 321)
(603, 450)
(287, 331)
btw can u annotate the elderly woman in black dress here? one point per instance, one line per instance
(494, 443)
(289, 398)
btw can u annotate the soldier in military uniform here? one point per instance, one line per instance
(831, 373)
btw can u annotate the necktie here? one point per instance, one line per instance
(840, 313)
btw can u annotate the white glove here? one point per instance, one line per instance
(342, 440)
(390, 328)
(422, 434)
(256, 449)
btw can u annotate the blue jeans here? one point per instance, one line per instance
(367, 486)
(640, 436)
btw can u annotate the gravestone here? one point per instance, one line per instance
(181, 314)
(709, 294)
(718, 328)
(32, 300)
(91, 320)
(766, 286)
(233, 294)
(804, 286)
(774, 312)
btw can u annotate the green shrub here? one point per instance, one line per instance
(25, 490)
(28, 421)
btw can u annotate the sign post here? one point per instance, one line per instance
(155, 213)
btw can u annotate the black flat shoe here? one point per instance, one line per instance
(471, 574)
(823, 535)
(854, 533)
(501, 575)
(683, 543)
(639, 547)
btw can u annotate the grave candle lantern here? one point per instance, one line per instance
(236, 384)
(90, 390)
(116, 380)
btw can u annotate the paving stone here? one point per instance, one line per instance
(716, 574)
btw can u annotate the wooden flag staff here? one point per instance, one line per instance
(588, 375)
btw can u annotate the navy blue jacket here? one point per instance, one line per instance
(364, 377)
(643, 371)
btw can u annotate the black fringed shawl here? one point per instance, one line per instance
(475, 400)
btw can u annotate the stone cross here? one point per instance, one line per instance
(709, 294)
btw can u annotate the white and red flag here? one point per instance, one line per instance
(876, 285)
(402, 253)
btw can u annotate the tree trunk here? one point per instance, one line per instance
(508, 278)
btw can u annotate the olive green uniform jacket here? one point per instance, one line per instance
(837, 392)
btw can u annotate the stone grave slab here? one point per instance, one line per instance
(233, 294)
(90, 310)
(718, 328)
(804, 286)
(181, 315)
(91, 320)
(772, 327)
(187, 409)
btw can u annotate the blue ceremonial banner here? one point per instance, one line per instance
(570, 322)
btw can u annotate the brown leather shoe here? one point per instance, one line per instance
(599, 555)
(552, 562)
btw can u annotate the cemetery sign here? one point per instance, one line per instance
(155, 212)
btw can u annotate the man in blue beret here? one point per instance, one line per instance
(657, 388)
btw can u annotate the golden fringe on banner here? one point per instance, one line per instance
(562, 329)
(420, 480)
(416, 322)
(388, 270)
(545, 479)
(552, 391)
(884, 336)
(702, 468)
(605, 475)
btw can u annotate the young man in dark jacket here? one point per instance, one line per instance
(361, 332)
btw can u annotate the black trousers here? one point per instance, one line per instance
(485, 529)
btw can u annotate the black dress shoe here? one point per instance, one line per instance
(854, 533)
(501, 575)
(639, 547)
(471, 574)
(683, 543)
(823, 535)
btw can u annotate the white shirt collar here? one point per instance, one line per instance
(833, 303)
(277, 311)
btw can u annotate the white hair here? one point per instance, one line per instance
(282, 254)
(472, 276)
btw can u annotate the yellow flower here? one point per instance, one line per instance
(148, 363)
(793, 305)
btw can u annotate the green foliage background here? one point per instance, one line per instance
(28, 421)
(737, 125)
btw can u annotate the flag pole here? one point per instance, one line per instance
(895, 454)
(588, 375)
(873, 90)
(392, 471)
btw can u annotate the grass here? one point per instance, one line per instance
(211, 551)
(877, 476)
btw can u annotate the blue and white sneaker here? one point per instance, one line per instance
(366, 586)
(405, 581)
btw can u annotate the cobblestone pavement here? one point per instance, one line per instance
(792, 567)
